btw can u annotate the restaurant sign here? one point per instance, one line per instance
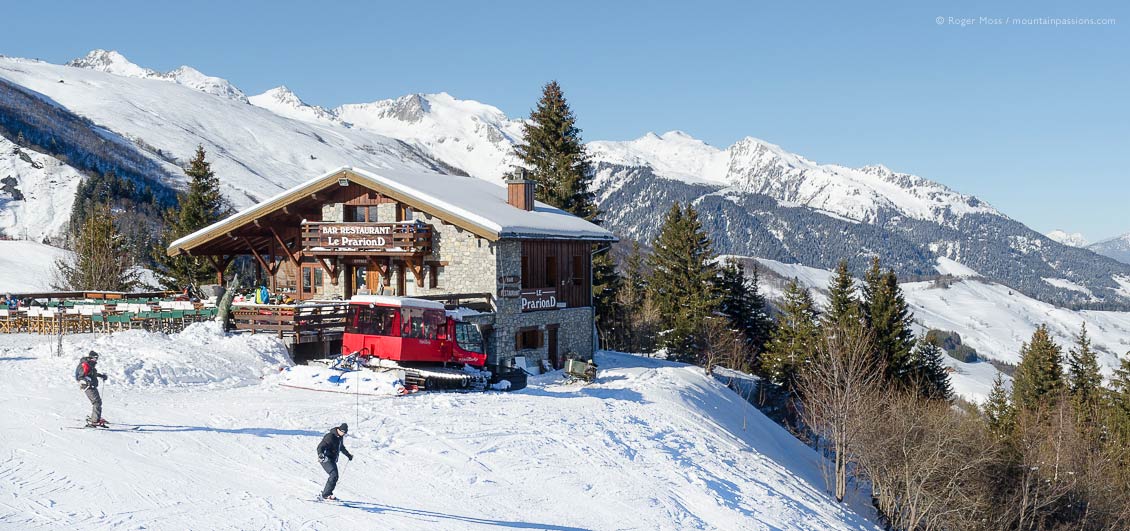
(352, 236)
(539, 299)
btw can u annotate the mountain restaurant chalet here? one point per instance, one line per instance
(445, 237)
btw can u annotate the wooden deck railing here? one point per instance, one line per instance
(307, 323)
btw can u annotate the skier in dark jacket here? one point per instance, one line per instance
(87, 376)
(332, 444)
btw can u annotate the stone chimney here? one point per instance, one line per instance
(520, 190)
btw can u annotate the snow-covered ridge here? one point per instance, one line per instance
(752, 165)
(1117, 248)
(112, 62)
(472, 136)
(284, 102)
(1073, 239)
(36, 193)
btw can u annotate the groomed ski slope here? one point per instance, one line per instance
(652, 445)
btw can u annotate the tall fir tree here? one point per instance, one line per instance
(1119, 399)
(202, 205)
(999, 411)
(888, 316)
(843, 304)
(743, 304)
(555, 156)
(1085, 380)
(1038, 380)
(681, 283)
(930, 371)
(794, 339)
(102, 259)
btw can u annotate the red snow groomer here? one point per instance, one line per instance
(433, 348)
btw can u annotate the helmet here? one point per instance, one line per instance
(92, 355)
(344, 427)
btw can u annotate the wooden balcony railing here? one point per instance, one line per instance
(389, 239)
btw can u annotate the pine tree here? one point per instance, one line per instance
(791, 344)
(888, 316)
(843, 305)
(930, 371)
(999, 412)
(102, 259)
(200, 207)
(1038, 380)
(1119, 399)
(1083, 372)
(742, 303)
(555, 156)
(681, 282)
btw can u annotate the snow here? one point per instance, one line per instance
(112, 62)
(674, 154)
(650, 445)
(947, 266)
(47, 187)
(1066, 284)
(974, 381)
(255, 152)
(28, 266)
(1072, 239)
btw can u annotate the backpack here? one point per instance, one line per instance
(79, 372)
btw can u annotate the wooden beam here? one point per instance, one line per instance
(289, 255)
(417, 266)
(333, 271)
(255, 253)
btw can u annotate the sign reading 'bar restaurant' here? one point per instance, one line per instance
(352, 236)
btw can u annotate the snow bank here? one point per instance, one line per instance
(322, 378)
(200, 356)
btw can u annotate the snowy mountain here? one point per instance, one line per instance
(1117, 248)
(474, 137)
(220, 444)
(756, 199)
(992, 318)
(115, 63)
(1073, 239)
(166, 121)
(868, 195)
(281, 101)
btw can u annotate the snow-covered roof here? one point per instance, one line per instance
(476, 205)
(385, 300)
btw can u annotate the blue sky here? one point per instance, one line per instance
(1034, 119)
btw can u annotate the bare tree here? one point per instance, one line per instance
(834, 388)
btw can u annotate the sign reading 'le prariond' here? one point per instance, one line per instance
(345, 236)
(539, 299)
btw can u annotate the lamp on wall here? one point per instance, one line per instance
(343, 182)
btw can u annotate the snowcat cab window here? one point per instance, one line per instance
(376, 321)
(468, 337)
(434, 321)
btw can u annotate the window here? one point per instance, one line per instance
(375, 321)
(551, 271)
(468, 337)
(526, 272)
(372, 214)
(527, 338)
(433, 279)
(578, 270)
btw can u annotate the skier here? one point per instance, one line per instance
(87, 376)
(332, 444)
